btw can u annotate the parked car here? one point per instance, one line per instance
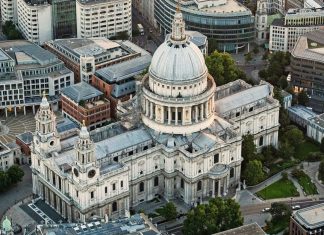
(267, 209)
(295, 207)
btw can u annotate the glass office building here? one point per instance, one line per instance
(229, 26)
(64, 18)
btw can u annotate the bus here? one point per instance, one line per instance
(140, 29)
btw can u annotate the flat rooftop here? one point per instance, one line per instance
(302, 112)
(310, 46)
(319, 120)
(231, 6)
(249, 229)
(310, 217)
(81, 91)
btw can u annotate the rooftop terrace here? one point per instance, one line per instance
(310, 217)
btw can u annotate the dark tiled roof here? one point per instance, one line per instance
(81, 91)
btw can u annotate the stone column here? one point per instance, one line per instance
(176, 115)
(15, 109)
(196, 113)
(162, 114)
(6, 111)
(33, 109)
(202, 112)
(24, 110)
(151, 110)
(213, 187)
(206, 109)
(146, 107)
(169, 115)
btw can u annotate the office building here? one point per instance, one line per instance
(105, 18)
(228, 24)
(285, 32)
(27, 70)
(307, 68)
(309, 220)
(82, 103)
(85, 56)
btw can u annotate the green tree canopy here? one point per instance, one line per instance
(253, 173)
(249, 151)
(15, 173)
(294, 136)
(216, 216)
(223, 68)
(302, 98)
(321, 171)
(280, 211)
(169, 211)
(322, 145)
(5, 181)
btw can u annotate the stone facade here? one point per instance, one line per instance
(184, 146)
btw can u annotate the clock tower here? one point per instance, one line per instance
(46, 138)
(85, 168)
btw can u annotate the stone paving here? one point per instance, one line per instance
(19, 124)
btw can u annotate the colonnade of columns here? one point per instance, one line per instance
(171, 115)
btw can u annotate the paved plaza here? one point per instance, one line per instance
(19, 124)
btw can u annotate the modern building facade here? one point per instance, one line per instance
(63, 19)
(117, 82)
(8, 11)
(315, 128)
(82, 103)
(180, 147)
(27, 71)
(285, 32)
(309, 220)
(34, 20)
(228, 24)
(307, 68)
(85, 56)
(105, 18)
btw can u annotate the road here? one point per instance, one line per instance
(18, 192)
(257, 208)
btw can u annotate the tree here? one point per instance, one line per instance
(4, 181)
(286, 150)
(248, 57)
(284, 119)
(302, 98)
(321, 171)
(294, 136)
(256, 49)
(216, 216)
(253, 172)
(223, 68)
(280, 211)
(15, 173)
(322, 145)
(248, 148)
(169, 211)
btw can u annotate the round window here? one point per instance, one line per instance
(91, 173)
(52, 143)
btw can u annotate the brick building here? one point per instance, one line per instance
(117, 82)
(82, 102)
(85, 56)
(24, 141)
(309, 220)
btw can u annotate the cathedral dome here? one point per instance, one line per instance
(174, 61)
(178, 59)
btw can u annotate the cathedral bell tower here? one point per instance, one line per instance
(85, 168)
(46, 138)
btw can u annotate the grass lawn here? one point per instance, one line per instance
(277, 167)
(307, 185)
(304, 149)
(280, 189)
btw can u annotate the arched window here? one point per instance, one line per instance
(114, 206)
(156, 181)
(199, 186)
(232, 173)
(182, 183)
(141, 187)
